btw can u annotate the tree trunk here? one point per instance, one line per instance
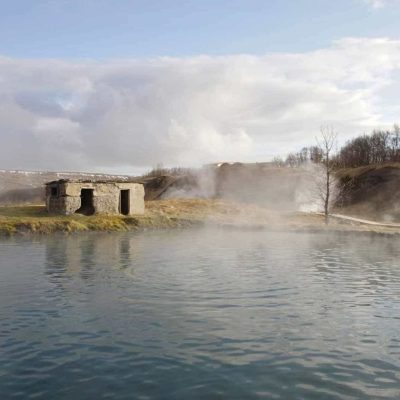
(327, 194)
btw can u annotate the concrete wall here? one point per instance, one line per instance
(105, 197)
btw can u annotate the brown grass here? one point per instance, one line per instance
(172, 213)
(356, 172)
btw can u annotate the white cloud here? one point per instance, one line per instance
(380, 3)
(188, 111)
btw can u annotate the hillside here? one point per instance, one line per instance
(372, 191)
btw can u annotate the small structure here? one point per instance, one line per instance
(67, 197)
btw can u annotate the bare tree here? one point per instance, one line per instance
(326, 144)
(377, 148)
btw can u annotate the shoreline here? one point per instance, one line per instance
(179, 214)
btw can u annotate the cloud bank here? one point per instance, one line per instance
(130, 114)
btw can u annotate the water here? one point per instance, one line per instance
(200, 315)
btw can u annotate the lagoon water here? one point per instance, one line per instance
(200, 314)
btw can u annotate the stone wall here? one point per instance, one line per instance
(136, 196)
(106, 197)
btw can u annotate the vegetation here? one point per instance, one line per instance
(326, 185)
(351, 174)
(160, 170)
(380, 147)
(159, 215)
(173, 213)
(36, 219)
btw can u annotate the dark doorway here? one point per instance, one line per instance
(124, 202)
(87, 207)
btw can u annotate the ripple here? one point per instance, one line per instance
(199, 314)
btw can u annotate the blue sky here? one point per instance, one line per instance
(148, 28)
(124, 85)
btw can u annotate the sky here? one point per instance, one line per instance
(121, 86)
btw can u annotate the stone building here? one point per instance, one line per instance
(67, 197)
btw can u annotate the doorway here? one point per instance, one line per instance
(124, 202)
(87, 207)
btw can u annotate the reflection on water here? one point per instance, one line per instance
(79, 255)
(200, 314)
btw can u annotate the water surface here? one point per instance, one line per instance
(200, 314)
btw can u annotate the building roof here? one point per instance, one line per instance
(83, 181)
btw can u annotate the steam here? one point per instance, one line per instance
(278, 189)
(311, 190)
(205, 186)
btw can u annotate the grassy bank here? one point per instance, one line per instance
(174, 213)
(159, 215)
(35, 219)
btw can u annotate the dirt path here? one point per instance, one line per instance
(362, 221)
